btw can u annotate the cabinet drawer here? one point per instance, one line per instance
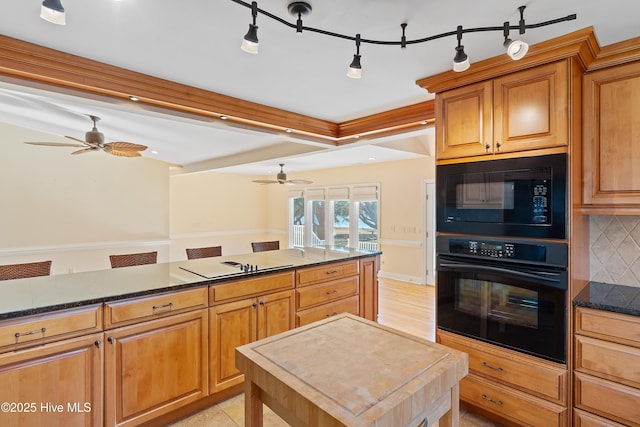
(511, 404)
(325, 292)
(585, 419)
(36, 330)
(608, 399)
(611, 326)
(250, 287)
(616, 362)
(513, 369)
(347, 305)
(140, 309)
(308, 276)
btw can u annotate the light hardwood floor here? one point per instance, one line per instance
(404, 306)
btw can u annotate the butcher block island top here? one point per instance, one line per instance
(349, 371)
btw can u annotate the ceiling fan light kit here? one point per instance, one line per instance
(52, 11)
(516, 50)
(281, 178)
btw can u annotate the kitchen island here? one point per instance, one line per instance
(151, 343)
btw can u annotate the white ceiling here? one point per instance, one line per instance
(196, 42)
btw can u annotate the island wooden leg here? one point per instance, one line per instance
(452, 417)
(252, 405)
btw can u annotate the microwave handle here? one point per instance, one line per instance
(544, 276)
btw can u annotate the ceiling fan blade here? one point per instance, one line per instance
(265, 181)
(84, 150)
(55, 144)
(298, 181)
(84, 143)
(125, 146)
(121, 153)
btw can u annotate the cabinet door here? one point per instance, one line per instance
(464, 124)
(611, 120)
(230, 325)
(57, 384)
(369, 287)
(275, 314)
(155, 367)
(531, 109)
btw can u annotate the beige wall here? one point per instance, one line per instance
(78, 209)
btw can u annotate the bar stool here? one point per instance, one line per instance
(22, 271)
(128, 260)
(211, 251)
(272, 245)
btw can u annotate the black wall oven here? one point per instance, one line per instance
(507, 292)
(520, 197)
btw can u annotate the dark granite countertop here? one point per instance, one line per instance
(609, 297)
(24, 297)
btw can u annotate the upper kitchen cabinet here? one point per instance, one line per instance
(611, 126)
(521, 111)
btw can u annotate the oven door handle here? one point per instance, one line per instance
(538, 275)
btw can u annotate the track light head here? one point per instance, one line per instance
(516, 49)
(355, 69)
(250, 41)
(461, 60)
(53, 12)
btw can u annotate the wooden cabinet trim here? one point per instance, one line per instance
(322, 293)
(606, 398)
(37, 330)
(346, 305)
(607, 325)
(244, 288)
(308, 276)
(615, 362)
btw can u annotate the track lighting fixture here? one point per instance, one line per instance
(250, 41)
(53, 12)
(516, 49)
(461, 60)
(355, 69)
(299, 9)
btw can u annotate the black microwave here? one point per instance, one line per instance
(521, 197)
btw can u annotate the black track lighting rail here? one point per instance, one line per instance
(521, 27)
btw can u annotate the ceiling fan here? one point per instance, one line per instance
(94, 140)
(281, 178)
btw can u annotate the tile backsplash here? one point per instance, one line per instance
(614, 249)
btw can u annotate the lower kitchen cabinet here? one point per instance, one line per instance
(607, 368)
(154, 367)
(56, 384)
(237, 323)
(520, 388)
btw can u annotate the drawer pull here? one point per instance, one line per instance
(497, 402)
(36, 331)
(159, 307)
(332, 292)
(332, 314)
(486, 365)
(332, 272)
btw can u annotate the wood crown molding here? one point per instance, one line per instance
(66, 72)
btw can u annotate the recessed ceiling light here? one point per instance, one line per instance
(372, 158)
(154, 152)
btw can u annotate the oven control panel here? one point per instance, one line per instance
(495, 249)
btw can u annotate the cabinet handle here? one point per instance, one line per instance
(497, 402)
(332, 292)
(498, 145)
(111, 340)
(36, 331)
(332, 272)
(97, 343)
(261, 302)
(487, 147)
(486, 365)
(254, 305)
(158, 307)
(332, 314)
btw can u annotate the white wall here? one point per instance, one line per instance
(76, 210)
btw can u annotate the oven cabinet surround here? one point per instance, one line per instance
(155, 366)
(517, 387)
(611, 135)
(52, 360)
(521, 111)
(241, 313)
(607, 368)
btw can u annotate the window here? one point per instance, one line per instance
(345, 216)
